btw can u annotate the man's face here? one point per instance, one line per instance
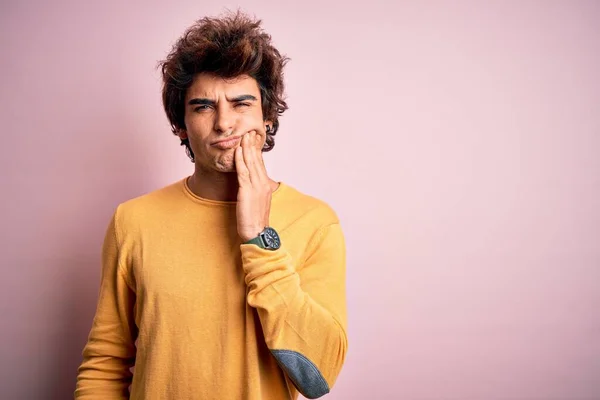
(217, 109)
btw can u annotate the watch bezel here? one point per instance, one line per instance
(266, 237)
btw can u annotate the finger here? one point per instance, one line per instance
(240, 166)
(260, 138)
(259, 161)
(250, 157)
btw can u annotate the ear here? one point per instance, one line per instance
(268, 124)
(182, 133)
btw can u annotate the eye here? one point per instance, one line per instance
(242, 105)
(202, 107)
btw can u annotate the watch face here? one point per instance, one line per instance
(272, 238)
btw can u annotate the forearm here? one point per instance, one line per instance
(108, 357)
(103, 377)
(302, 313)
(296, 327)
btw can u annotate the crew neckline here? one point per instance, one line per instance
(193, 196)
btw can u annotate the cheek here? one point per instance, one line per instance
(257, 121)
(197, 128)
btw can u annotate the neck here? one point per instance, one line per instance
(220, 186)
(213, 185)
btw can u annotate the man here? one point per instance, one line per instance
(226, 284)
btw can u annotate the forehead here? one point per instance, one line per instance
(212, 86)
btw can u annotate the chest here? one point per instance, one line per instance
(190, 276)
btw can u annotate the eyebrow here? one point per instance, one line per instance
(205, 101)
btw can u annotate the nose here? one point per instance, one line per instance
(224, 120)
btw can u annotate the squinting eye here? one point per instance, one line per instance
(243, 104)
(201, 108)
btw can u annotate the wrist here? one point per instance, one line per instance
(249, 236)
(268, 239)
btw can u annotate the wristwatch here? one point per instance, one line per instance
(268, 239)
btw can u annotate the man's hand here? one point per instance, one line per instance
(254, 194)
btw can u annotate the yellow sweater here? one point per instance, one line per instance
(202, 316)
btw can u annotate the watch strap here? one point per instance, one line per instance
(257, 241)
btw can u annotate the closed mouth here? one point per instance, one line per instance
(230, 142)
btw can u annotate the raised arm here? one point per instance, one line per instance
(302, 309)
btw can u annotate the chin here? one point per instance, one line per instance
(228, 169)
(223, 163)
(225, 166)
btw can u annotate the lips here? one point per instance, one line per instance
(228, 143)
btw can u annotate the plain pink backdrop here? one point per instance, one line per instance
(458, 141)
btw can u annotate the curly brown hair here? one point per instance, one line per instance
(227, 46)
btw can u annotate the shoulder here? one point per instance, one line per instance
(300, 205)
(132, 213)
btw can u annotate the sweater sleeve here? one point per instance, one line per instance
(302, 308)
(109, 354)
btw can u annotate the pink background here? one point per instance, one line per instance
(458, 141)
